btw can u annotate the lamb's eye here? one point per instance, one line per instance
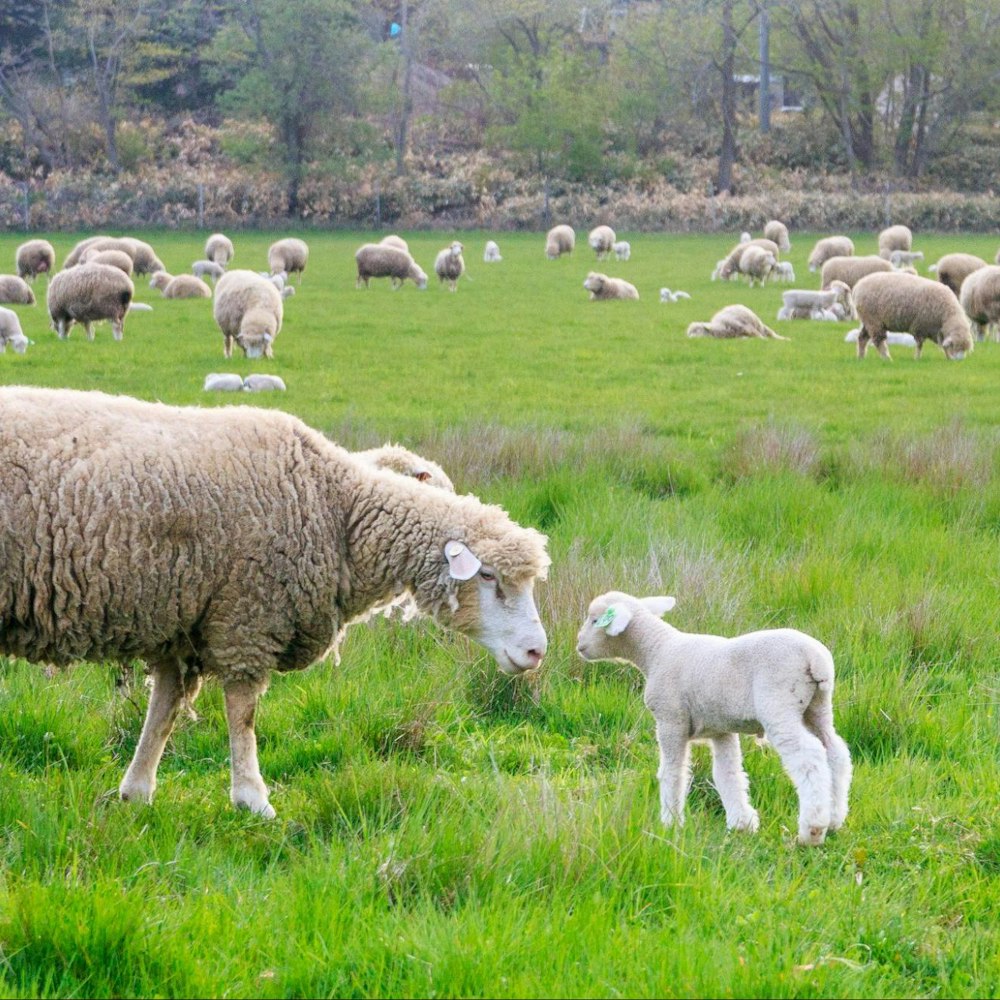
(488, 575)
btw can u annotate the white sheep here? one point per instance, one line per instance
(622, 250)
(392, 240)
(88, 294)
(891, 337)
(980, 298)
(559, 240)
(254, 542)
(731, 322)
(201, 268)
(726, 268)
(601, 240)
(894, 238)
(830, 246)
(668, 296)
(757, 264)
(186, 286)
(219, 250)
(223, 382)
(144, 259)
(289, 255)
(11, 332)
(850, 270)
(264, 383)
(776, 682)
(602, 288)
(16, 290)
(33, 258)
(953, 268)
(778, 232)
(784, 272)
(381, 260)
(491, 253)
(248, 310)
(449, 265)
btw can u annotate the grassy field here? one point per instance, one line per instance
(444, 830)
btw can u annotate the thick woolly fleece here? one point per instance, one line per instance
(231, 541)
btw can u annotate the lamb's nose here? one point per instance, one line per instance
(534, 656)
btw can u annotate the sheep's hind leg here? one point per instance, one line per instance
(248, 789)
(732, 783)
(674, 774)
(804, 758)
(819, 719)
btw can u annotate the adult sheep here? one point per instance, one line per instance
(894, 238)
(731, 322)
(380, 260)
(230, 543)
(906, 303)
(16, 290)
(757, 264)
(248, 310)
(730, 264)
(954, 268)
(33, 258)
(449, 265)
(850, 270)
(601, 240)
(116, 258)
(144, 259)
(89, 294)
(219, 249)
(603, 288)
(777, 232)
(559, 240)
(187, 286)
(392, 240)
(290, 255)
(830, 246)
(980, 298)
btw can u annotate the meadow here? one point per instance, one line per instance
(444, 830)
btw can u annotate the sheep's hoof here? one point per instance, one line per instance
(750, 823)
(812, 836)
(136, 791)
(254, 801)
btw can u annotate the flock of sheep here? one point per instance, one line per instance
(118, 537)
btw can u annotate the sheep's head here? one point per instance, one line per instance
(601, 635)
(456, 249)
(594, 282)
(257, 330)
(957, 337)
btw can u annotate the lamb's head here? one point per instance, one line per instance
(699, 330)
(257, 330)
(602, 635)
(957, 334)
(18, 341)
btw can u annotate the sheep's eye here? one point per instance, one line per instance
(487, 575)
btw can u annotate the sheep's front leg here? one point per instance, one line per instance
(248, 789)
(732, 783)
(674, 773)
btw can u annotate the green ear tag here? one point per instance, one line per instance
(606, 619)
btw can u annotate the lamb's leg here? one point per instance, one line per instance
(248, 789)
(819, 720)
(674, 773)
(732, 783)
(805, 760)
(165, 700)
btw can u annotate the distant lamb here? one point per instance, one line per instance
(89, 294)
(601, 240)
(622, 250)
(380, 260)
(248, 310)
(219, 250)
(778, 233)
(730, 265)
(980, 298)
(776, 682)
(491, 254)
(263, 383)
(784, 272)
(668, 296)
(892, 338)
(187, 286)
(223, 382)
(954, 268)
(559, 240)
(830, 246)
(33, 258)
(11, 332)
(290, 255)
(449, 265)
(835, 303)
(905, 258)
(602, 288)
(894, 238)
(201, 268)
(731, 322)
(16, 290)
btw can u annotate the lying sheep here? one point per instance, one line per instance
(892, 338)
(784, 272)
(392, 240)
(850, 270)
(953, 268)
(622, 250)
(223, 382)
(33, 258)
(757, 264)
(16, 290)
(219, 250)
(186, 286)
(602, 288)
(396, 458)
(73, 257)
(910, 304)
(830, 246)
(980, 298)
(253, 543)
(116, 258)
(264, 383)
(894, 238)
(905, 258)
(144, 259)
(160, 279)
(776, 682)
(248, 310)
(733, 321)
(559, 240)
(88, 294)
(377, 260)
(730, 265)
(601, 240)
(778, 233)
(11, 332)
(449, 265)
(201, 268)
(491, 254)
(289, 255)
(668, 296)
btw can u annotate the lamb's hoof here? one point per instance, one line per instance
(750, 823)
(812, 836)
(254, 801)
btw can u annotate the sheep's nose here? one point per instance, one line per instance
(534, 657)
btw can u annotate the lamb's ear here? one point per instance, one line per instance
(462, 564)
(659, 606)
(615, 620)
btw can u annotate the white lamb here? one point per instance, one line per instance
(491, 254)
(895, 339)
(668, 296)
(784, 272)
(622, 249)
(777, 682)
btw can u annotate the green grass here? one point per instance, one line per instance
(444, 830)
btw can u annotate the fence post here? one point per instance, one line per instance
(887, 207)
(546, 214)
(27, 207)
(201, 205)
(378, 204)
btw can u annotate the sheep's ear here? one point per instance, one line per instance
(615, 620)
(659, 606)
(462, 564)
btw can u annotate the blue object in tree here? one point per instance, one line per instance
(394, 30)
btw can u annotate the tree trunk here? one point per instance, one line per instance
(728, 150)
(406, 104)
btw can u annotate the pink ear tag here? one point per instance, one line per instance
(462, 564)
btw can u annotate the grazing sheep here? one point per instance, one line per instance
(88, 294)
(730, 265)
(980, 298)
(11, 332)
(491, 254)
(200, 268)
(733, 321)
(850, 270)
(776, 682)
(910, 304)
(892, 338)
(264, 383)
(784, 272)
(290, 255)
(449, 265)
(559, 240)
(223, 382)
(778, 233)
(73, 257)
(35, 257)
(623, 250)
(601, 287)
(144, 259)
(830, 246)
(116, 258)
(717, 271)
(219, 249)
(379, 260)
(601, 240)
(248, 310)
(901, 259)
(16, 290)
(392, 240)
(668, 296)
(757, 264)
(187, 286)
(894, 238)
(231, 542)
(398, 459)
(954, 268)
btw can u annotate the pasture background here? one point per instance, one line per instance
(444, 830)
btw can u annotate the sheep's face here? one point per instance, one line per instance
(495, 612)
(456, 249)
(958, 340)
(19, 342)
(601, 637)
(594, 282)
